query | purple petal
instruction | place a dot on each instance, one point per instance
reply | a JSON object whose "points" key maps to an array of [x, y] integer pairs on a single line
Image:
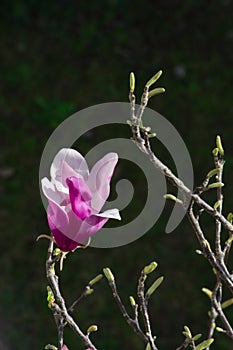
{"points": [[90, 226], [99, 180], [64, 226], [63, 242], [57, 215], [80, 197]]}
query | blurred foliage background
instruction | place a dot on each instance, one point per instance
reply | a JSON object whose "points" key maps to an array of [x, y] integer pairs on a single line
{"points": [[59, 57]]}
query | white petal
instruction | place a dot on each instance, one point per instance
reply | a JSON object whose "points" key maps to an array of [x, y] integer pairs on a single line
{"points": [[99, 180], [111, 214], [73, 158], [50, 191]]}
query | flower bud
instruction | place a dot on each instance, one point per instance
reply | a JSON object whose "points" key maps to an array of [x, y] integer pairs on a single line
{"points": [[50, 297], [213, 172], [132, 82], [227, 303], [156, 91], [230, 217], [216, 185], [132, 301], [217, 204], [95, 280], [215, 152], [154, 78], [187, 333], [52, 347], [221, 330], [148, 347], [204, 344], [108, 274], [89, 291], [150, 268], [207, 292], [219, 145], [92, 328], [154, 286]]}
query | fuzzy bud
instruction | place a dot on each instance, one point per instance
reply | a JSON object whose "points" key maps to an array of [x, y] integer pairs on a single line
{"points": [[150, 268], [108, 274]]}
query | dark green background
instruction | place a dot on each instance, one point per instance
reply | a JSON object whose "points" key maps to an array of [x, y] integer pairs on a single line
{"points": [[59, 57]]}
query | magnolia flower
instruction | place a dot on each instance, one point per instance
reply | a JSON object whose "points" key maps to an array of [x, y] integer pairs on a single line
{"points": [[64, 347], [76, 197]]}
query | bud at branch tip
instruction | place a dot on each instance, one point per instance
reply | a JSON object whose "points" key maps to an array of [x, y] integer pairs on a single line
{"points": [[219, 145], [154, 78], [150, 268], [108, 274], [132, 82]]}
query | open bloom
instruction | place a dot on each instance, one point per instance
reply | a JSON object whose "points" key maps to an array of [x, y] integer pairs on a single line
{"points": [[76, 197]]}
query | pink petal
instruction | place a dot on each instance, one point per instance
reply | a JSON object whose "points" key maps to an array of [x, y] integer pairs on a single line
{"points": [[57, 215], [59, 224], [99, 180], [64, 226], [63, 242], [80, 197], [90, 226], [64, 347], [51, 192], [68, 162]]}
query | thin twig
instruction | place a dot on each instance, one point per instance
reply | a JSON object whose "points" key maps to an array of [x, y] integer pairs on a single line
{"points": [[208, 253], [59, 308], [144, 310], [79, 299], [132, 322], [219, 164], [218, 307]]}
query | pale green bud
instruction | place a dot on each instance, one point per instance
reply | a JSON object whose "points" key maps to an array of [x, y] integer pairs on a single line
{"points": [[148, 347], [108, 274], [196, 337], [221, 330], [172, 197], [56, 252], [216, 185], [230, 217], [50, 297], [207, 292], [92, 328], [154, 78], [156, 91], [89, 291], [154, 286], [132, 82], [151, 135], [227, 303], [219, 145], [150, 268], [213, 172], [132, 301], [95, 280], [199, 252], [217, 204], [208, 245], [187, 332], [50, 347], [230, 239], [204, 344]]}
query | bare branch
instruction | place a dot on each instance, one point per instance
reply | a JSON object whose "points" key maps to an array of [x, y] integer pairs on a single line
{"points": [[59, 308]]}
